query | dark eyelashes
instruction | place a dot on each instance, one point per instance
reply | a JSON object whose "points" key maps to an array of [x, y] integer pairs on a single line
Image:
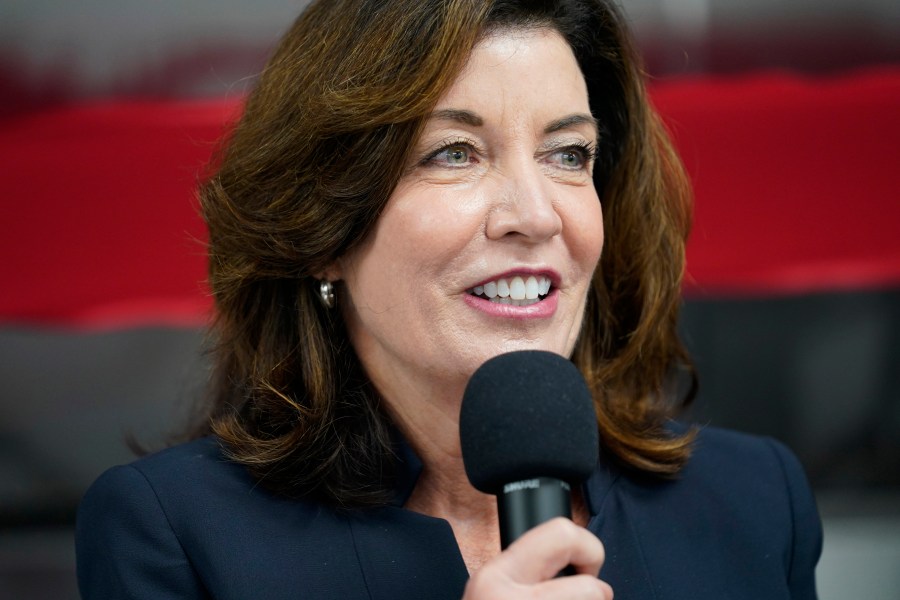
{"points": [[588, 151], [446, 144]]}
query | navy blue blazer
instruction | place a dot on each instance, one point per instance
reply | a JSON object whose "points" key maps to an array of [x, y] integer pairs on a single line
{"points": [[739, 522]]}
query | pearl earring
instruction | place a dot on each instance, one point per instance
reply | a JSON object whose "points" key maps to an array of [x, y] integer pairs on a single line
{"points": [[326, 293]]}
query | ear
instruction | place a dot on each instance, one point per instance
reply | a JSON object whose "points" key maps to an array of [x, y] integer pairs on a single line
{"points": [[332, 272]]}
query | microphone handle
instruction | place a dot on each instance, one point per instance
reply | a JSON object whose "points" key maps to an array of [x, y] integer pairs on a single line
{"points": [[525, 504]]}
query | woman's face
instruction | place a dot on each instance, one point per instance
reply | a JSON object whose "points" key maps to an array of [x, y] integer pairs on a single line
{"points": [[489, 241]]}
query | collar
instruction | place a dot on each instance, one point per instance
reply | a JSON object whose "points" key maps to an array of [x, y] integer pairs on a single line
{"points": [[409, 466]]}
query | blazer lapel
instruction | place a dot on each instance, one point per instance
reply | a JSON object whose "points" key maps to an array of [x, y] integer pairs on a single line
{"points": [[625, 568], [403, 554]]}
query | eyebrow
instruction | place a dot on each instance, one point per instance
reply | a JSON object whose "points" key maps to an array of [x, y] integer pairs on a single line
{"points": [[467, 117], [571, 121]]}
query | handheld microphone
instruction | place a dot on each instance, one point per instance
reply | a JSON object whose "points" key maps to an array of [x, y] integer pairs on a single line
{"points": [[528, 432]]}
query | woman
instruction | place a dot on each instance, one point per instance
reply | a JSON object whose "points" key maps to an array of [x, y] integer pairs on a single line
{"points": [[415, 187]]}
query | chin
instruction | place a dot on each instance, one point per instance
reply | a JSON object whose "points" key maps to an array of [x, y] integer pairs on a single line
{"points": [[564, 349]]}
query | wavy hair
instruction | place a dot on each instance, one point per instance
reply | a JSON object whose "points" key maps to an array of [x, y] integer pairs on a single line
{"points": [[300, 180]]}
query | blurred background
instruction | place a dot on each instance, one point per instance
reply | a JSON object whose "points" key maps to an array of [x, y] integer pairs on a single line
{"points": [[788, 119]]}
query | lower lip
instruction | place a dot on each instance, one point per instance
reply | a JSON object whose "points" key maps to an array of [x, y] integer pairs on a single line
{"points": [[539, 310]]}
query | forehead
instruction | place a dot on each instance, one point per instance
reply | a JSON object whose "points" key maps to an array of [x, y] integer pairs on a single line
{"points": [[520, 64]]}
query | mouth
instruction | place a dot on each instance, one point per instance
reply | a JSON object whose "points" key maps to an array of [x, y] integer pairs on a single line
{"points": [[515, 291]]}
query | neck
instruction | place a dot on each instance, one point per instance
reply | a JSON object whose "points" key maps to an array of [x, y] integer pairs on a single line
{"points": [[445, 492], [431, 427], [443, 489]]}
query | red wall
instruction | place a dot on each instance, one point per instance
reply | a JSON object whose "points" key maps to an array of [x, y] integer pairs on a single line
{"points": [[796, 185]]}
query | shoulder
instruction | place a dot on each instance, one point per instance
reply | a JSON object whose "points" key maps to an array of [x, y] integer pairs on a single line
{"points": [[187, 519], [143, 480], [768, 477], [740, 515], [765, 480], [193, 487], [203, 455], [750, 474], [733, 471], [737, 457], [192, 468], [121, 515], [177, 479]]}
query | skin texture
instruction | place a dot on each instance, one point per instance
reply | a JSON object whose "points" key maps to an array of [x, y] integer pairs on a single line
{"points": [[448, 226], [500, 183]]}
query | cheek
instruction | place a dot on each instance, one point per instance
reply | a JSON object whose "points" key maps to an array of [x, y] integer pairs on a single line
{"points": [[414, 243], [428, 231], [586, 233]]}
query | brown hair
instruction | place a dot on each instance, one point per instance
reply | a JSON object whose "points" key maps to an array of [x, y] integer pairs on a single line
{"points": [[303, 178]]}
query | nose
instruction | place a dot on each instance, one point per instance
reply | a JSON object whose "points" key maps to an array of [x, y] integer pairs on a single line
{"points": [[525, 205]]}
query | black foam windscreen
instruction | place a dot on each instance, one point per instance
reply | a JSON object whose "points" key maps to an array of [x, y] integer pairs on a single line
{"points": [[527, 414]]}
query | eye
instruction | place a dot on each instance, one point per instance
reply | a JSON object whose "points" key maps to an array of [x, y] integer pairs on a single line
{"points": [[573, 157], [454, 154]]}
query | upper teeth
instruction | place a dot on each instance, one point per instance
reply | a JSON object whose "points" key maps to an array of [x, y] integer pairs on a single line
{"points": [[516, 288]]}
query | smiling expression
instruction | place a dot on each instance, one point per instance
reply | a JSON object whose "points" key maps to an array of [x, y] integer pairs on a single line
{"points": [[489, 242]]}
